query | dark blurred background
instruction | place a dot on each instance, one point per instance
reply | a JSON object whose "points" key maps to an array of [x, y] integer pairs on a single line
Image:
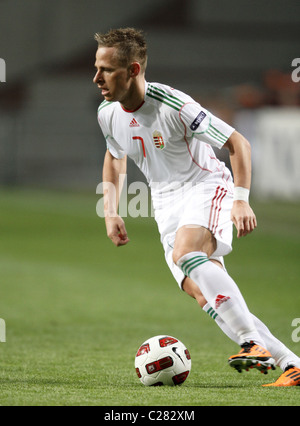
{"points": [[234, 57]]}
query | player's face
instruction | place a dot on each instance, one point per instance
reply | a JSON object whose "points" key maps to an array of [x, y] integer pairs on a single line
{"points": [[110, 77]]}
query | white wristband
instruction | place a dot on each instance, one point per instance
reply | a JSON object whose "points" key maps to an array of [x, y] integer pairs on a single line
{"points": [[241, 194]]}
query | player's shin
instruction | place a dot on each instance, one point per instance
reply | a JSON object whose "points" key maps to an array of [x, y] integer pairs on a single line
{"points": [[218, 320], [222, 294]]}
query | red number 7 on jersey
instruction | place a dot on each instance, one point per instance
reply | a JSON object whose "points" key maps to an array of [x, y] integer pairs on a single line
{"points": [[143, 144]]}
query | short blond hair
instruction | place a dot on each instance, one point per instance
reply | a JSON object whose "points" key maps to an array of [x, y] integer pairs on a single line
{"points": [[130, 43]]}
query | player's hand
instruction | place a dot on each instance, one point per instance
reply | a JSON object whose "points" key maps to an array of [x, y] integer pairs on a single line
{"points": [[243, 217], [116, 230]]}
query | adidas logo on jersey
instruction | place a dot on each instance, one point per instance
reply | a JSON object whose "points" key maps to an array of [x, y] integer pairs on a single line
{"points": [[134, 123], [221, 299]]}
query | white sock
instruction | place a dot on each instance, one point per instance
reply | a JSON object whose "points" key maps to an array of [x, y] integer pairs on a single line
{"points": [[282, 355], [222, 294]]}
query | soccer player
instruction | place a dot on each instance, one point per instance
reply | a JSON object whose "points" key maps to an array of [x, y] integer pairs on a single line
{"points": [[170, 138]]}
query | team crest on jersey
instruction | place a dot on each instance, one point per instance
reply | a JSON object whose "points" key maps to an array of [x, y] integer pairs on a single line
{"points": [[158, 140]]}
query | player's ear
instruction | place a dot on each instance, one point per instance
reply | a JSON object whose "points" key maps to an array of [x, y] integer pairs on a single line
{"points": [[134, 69]]}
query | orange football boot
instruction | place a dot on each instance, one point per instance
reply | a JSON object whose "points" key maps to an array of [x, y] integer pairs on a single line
{"points": [[291, 377], [252, 356]]}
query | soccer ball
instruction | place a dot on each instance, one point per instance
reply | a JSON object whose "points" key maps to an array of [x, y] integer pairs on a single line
{"points": [[162, 360]]}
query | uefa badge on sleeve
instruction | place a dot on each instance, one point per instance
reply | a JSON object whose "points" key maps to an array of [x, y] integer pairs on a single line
{"points": [[158, 140]]}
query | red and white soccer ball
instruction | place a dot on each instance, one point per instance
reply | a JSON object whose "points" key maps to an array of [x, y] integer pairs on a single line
{"points": [[163, 360]]}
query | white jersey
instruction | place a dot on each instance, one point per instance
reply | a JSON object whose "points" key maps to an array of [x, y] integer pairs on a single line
{"points": [[170, 138]]}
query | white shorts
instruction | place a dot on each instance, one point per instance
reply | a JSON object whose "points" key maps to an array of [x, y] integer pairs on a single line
{"points": [[206, 204]]}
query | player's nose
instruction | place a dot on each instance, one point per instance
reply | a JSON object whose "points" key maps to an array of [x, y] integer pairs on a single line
{"points": [[98, 77]]}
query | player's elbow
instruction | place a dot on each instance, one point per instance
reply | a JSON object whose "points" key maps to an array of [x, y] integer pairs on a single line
{"points": [[236, 142]]}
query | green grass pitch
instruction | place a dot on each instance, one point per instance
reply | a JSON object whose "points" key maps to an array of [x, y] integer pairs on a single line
{"points": [[77, 308]]}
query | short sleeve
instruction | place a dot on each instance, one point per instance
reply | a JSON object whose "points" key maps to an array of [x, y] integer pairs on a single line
{"points": [[204, 126], [111, 144], [114, 148]]}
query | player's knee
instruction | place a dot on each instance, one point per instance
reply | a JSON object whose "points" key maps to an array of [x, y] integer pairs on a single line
{"points": [[193, 239], [178, 253]]}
